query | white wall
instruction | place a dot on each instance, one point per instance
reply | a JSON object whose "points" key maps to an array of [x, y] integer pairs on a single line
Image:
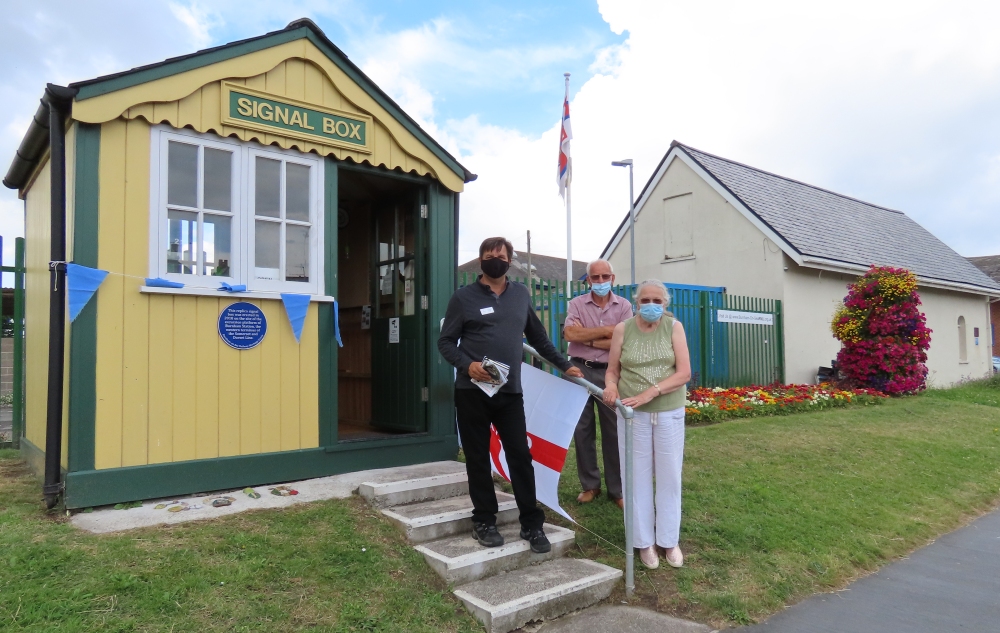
{"points": [[811, 296], [727, 249], [942, 309]]}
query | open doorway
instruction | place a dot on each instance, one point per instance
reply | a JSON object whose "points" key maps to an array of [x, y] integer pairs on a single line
{"points": [[381, 279]]}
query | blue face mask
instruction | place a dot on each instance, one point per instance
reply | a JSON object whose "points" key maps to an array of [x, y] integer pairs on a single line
{"points": [[601, 289], [650, 312]]}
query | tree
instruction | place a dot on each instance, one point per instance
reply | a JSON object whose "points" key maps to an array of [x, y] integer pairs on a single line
{"points": [[884, 335]]}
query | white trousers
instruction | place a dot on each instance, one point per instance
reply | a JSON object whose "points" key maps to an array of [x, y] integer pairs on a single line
{"points": [[657, 450]]}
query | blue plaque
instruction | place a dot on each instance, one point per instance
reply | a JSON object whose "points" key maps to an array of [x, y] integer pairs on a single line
{"points": [[242, 325]]}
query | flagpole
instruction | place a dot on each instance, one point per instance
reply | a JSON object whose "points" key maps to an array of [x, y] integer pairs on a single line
{"points": [[569, 217]]}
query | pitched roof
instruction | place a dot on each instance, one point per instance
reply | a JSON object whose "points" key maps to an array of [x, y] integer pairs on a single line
{"points": [[302, 28], [816, 223], [989, 265], [545, 267]]}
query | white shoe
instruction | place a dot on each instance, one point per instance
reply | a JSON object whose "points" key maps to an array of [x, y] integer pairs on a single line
{"points": [[674, 556], [649, 558]]}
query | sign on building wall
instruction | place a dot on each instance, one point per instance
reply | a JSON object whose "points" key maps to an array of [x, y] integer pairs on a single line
{"points": [[753, 318], [256, 110], [242, 325]]}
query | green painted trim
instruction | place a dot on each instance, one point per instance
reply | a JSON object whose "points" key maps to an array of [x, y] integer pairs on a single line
{"points": [[441, 283], [118, 485], [328, 351], [99, 87], [83, 331], [166, 69]]}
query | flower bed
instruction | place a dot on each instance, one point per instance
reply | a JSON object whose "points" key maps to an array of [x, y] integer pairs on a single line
{"points": [[714, 404]]}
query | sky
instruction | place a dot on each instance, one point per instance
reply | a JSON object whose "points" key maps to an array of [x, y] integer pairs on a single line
{"points": [[895, 103]]}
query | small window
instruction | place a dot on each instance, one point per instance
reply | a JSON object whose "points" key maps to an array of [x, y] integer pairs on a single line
{"points": [[226, 211], [963, 350]]}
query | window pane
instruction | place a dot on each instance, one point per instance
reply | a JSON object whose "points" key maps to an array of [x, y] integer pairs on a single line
{"points": [[267, 254], [296, 252], [296, 192], [182, 251], [218, 179], [182, 174], [217, 244], [267, 187]]}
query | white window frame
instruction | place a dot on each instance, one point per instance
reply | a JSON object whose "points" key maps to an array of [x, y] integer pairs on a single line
{"points": [[242, 214], [285, 157]]}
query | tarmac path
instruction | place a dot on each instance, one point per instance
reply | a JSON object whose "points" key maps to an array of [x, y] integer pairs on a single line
{"points": [[951, 585]]}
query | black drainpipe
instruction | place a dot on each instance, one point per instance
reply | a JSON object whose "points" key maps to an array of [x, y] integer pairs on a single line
{"points": [[57, 99]]}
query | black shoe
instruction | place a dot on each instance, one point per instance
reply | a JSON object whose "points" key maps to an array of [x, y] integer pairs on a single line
{"points": [[487, 535], [539, 543]]}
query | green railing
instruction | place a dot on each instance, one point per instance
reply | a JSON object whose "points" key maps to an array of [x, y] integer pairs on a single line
{"points": [[727, 349], [17, 332]]}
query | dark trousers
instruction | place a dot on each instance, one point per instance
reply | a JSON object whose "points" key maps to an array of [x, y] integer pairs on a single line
{"points": [[505, 411], [585, 438]]}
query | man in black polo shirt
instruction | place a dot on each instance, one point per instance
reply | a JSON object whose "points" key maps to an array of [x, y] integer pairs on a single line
{"points": [[491, 317]]}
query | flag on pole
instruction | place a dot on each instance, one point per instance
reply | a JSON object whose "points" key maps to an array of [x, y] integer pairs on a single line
{"points": [[552, 407], [565, 136]]}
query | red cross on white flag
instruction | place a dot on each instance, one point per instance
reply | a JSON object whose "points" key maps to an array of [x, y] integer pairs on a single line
{"points": [[552, 407]]}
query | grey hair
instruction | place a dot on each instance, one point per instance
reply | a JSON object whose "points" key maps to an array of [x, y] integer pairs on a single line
{"points": [[653, 283], [600, 261]]}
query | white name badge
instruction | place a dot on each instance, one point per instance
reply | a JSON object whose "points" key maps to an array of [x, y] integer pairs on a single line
{"points": [[486, 310]]}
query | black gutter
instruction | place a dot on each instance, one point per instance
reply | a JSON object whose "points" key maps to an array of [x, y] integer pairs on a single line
{"points": [[56, 101], [33, 146]]}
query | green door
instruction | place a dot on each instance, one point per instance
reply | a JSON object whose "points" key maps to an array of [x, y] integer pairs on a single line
{"points": [[398, 324]]}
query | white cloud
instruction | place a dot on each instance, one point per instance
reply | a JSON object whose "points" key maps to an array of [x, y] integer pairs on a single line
{"points": [[890, 102], [198, 20]]}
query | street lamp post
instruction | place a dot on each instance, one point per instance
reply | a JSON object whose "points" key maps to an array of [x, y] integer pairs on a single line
{"points": [[631, 209], [629, 431]]}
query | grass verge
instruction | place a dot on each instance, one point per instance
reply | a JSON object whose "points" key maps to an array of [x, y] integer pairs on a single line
{"points": [[325, 566], [778, 508]]}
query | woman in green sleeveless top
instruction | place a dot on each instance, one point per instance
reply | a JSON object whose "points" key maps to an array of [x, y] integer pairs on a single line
{"points": [[649, 366]]}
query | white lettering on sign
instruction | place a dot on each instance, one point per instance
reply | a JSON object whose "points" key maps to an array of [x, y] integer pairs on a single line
{"points": [[753, 318], [394, 330]]}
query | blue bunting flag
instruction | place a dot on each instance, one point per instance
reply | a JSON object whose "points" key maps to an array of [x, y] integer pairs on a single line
{"points": [[296, 307], [81, 284]]}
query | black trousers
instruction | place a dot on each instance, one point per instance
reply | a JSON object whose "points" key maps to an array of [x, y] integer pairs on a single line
{"points": [[505, 411]]}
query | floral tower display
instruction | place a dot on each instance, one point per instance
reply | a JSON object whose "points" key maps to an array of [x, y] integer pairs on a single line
{"points": [[883, 333]]}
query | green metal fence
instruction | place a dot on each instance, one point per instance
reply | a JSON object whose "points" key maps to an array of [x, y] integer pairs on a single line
{"points": [[13, 326], [734, 341]]}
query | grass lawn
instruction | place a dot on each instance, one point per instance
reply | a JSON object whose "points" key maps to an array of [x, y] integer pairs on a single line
{"points": [[778, 508], [325, 566], [775, 508]]}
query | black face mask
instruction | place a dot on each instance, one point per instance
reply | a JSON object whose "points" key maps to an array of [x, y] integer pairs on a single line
{"points": [[494, 267]]}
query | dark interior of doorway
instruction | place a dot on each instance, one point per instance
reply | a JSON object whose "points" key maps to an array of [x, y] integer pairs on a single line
{"points": [[365, 202]]}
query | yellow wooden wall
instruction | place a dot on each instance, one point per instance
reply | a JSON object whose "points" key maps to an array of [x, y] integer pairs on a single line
{"points": [[37, 250], [296, 69], [168, 388], [296, 79]]}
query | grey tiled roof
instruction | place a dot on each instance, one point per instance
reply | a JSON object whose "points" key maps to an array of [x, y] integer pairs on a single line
{"points": [[821, 223], [989, 265]]}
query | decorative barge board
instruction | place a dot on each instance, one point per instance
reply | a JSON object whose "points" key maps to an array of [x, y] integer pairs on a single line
{"points": [[274, 165]]}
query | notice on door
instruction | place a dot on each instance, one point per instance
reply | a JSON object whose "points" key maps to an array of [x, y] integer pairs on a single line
{"points": [[394, 330], [753, 318]]}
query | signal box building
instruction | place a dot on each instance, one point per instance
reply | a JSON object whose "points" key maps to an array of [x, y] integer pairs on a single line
{"points": [[272, 163]]}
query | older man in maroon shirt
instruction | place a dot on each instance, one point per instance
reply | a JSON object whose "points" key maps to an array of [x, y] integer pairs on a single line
{"points": [[590, 321]]}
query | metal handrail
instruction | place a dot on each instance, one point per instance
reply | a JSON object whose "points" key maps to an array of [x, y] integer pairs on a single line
{"points": [[627, 414]]}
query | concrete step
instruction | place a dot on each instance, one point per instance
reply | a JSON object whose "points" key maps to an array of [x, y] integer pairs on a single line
{"points": [[427, 488], [553, 588], [461, 559], [431, 520]]}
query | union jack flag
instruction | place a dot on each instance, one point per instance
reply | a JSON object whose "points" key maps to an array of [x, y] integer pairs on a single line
{"points": [[565, 136]]}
